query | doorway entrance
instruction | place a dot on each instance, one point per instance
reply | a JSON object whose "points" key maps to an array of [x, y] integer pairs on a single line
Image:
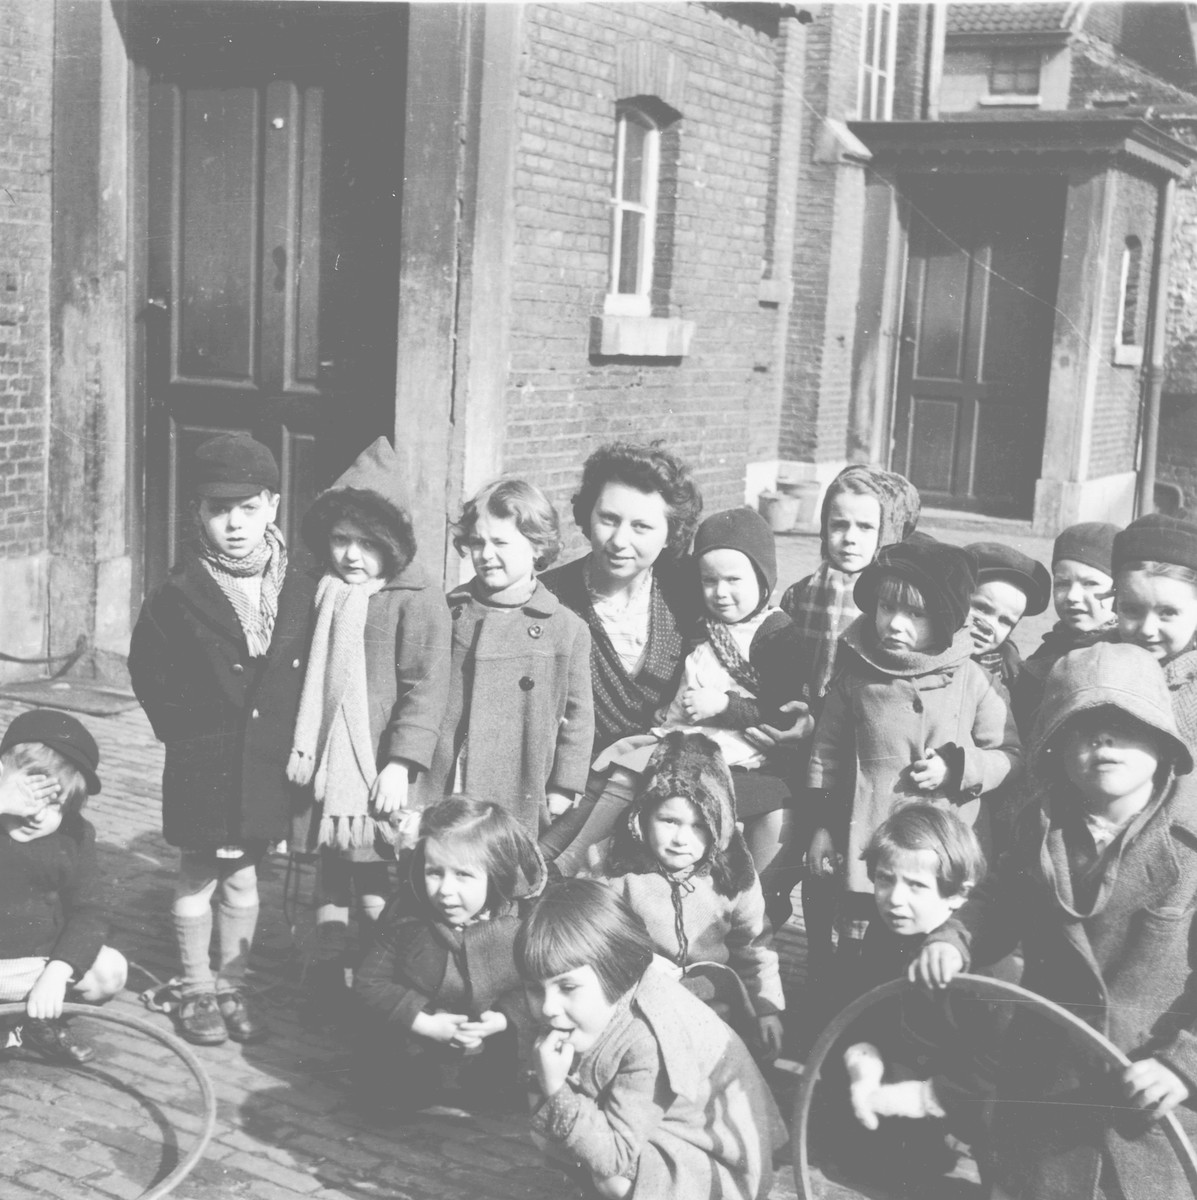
{"points": [[977, 325], [271, 169]]}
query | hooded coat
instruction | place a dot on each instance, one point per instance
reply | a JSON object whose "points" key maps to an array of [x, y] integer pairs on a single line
{"points": [[1108, 934], [670, 1098], [225, 718], [407, 632], [418, 964], [878, 720], [715, 913]]}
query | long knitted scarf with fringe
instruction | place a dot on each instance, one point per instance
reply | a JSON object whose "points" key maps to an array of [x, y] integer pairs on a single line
{"points": [[333, 749], [256, 606]]}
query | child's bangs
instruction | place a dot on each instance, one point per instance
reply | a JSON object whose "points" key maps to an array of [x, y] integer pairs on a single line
{"points": [[1161, 570], [900, 593]]}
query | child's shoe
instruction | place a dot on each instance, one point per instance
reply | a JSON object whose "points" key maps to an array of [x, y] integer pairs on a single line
{"points": [[240, 1020], [200, 1021], [53, 1040]]}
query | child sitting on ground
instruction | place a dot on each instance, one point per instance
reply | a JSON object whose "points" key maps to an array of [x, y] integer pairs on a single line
{"points": [[1155, 587], [1099, 890], [445, 1003], [52, 925], [1083, 593], [864, 510], [919, 1060], [738, 677], [519, 724], [644, 1087], [910, 715], [684, 870], [373, 697]]}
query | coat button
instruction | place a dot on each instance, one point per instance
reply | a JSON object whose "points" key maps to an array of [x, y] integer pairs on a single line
{"points": [[255, 714], [535, 631], [237, 668], [295, 664], [455, 611], [527, 683]]}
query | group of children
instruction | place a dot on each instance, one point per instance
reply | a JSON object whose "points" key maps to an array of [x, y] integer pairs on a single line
{"points": [[424, 746]]}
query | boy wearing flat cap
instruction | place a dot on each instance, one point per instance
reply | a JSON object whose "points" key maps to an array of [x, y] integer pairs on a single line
{"points": [[217, 661], [52, 925]]}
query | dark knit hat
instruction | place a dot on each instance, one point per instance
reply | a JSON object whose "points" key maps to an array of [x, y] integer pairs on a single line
{"points": [[946, 576], [997, 561], [1157, 538], [742, 529], [1091, 543], [60, 732], [234, 466]]}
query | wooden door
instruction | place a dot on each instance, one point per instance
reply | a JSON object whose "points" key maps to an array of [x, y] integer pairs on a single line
{"points": [[979, 312], [273, 173]]}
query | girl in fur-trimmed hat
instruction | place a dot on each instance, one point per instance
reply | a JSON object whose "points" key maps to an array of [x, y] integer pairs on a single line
{"points": [[684, 869], [375, 690]]}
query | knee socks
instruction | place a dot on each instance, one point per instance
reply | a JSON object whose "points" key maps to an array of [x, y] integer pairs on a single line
{"points": [[194, 935], [235, 924]]}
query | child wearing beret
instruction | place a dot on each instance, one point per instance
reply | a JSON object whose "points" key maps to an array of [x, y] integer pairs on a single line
{"points": [[1155, 586], [910, 716]]}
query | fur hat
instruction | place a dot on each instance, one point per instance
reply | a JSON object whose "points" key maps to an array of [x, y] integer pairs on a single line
{"points": [[1156, 538], [946, 576], [690, 765], [742, 529], [998, 561], [1091, 543]]}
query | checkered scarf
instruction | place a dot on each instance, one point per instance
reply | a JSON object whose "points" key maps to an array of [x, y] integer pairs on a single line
{"points": [[255, 614], [821, 607]]}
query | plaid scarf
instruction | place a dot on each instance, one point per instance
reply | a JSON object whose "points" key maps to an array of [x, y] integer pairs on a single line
{"points": [[730, 658], [821, 607], [255, 614]]}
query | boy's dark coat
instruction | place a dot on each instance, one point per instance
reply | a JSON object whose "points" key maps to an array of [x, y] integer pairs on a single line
{"points": [[227, 720]]}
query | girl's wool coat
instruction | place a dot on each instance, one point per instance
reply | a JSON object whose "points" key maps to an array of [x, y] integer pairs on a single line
{"points": [[519, 693], [226, 719], [877, 722], [670, 1098]]}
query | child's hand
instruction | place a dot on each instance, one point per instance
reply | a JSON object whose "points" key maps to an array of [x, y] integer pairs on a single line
{"points": [[389, 793], [770, 1029], [821, 859], [554, 1057], [23, 795], [701, 704], [1152, 1086], [488, 1024], [438, 1027], [937, 965], [930, 772], [559, 803], [766, 737], [44, 1002]]}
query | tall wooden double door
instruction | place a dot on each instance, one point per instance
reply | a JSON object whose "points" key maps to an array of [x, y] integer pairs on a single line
{"points": [[271, 164], [977, 328]]}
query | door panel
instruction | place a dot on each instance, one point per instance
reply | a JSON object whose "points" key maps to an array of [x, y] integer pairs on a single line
{"points": [[273, 194], [983, 261]]}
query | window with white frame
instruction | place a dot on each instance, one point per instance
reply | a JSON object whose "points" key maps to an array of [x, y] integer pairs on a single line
{"points": [[1128, 349], [878, 48], [1014, 72], [634, 211]]}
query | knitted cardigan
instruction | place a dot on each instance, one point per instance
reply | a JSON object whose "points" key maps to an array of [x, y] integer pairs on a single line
{"points": [[625, 705]]}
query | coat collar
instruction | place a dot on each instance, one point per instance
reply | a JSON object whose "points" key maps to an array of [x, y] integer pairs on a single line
{"points": [[542, 602], [202, 593], [859, 638], [413, 578]]}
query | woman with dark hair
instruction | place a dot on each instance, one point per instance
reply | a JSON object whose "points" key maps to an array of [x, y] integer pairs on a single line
{"points": [[639, 506]]}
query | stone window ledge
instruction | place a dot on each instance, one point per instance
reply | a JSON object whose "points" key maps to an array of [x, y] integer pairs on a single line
{"points": [[1128, 356], [644, 337]]}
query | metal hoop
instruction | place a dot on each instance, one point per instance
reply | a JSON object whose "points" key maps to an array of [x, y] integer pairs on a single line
{"points": [[181, 1050], [983, 988]]}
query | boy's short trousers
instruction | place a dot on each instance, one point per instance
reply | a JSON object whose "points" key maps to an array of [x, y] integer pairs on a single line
{"points": [[18, 975]]}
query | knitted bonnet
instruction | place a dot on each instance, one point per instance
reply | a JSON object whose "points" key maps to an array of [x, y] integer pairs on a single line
{"points": [[691, 765], [895, 494]]}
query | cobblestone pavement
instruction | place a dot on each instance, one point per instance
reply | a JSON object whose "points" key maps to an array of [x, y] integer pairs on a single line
{"points": [[287, 1125]]}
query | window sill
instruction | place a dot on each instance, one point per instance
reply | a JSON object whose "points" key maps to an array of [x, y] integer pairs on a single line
{"points": [[1011, 100], [644, 337], [774, 292], [1128, 356]]}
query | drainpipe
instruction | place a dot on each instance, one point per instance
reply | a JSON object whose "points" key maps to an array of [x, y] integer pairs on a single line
{"points": [[1154, 381], [936, 28]]}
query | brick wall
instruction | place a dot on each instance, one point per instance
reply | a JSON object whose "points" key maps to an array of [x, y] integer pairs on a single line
{"points": [[562, 400], [815, 415], [26, 48], [1116, 408]]}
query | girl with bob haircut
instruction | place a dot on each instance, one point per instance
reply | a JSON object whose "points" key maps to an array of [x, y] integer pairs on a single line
{"points": [[646, 1091], [915, 828], [443, 999], [520, 721]]}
